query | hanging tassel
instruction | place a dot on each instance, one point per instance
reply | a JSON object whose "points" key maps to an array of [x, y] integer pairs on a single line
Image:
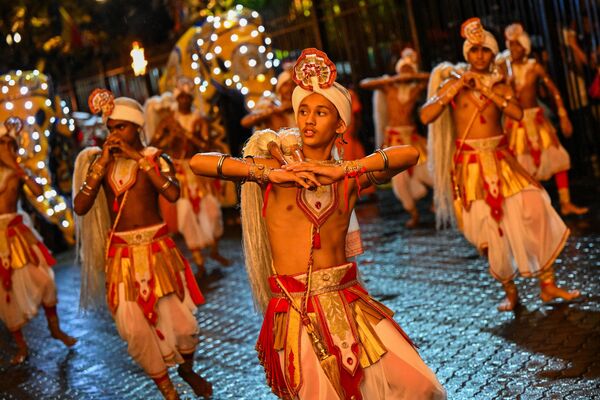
{"points": [[7, 298], [160, 334], [482, 119], [115, 205], [500, 232], [266, 199], [327, 360], [453, 104], [317, 239]]}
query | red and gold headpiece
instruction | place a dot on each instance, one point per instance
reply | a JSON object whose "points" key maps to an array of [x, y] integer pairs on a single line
{"points": [[312, 68], [101, 101], [314, 72], [121, 108], [474, 34]]}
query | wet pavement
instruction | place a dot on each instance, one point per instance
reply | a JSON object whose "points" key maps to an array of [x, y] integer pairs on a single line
{"points": [[434, 281]]}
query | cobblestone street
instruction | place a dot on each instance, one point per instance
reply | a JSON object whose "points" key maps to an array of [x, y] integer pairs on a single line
{"points": [[437, 284]]}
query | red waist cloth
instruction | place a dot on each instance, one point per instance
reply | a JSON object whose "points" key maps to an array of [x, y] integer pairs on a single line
{"points": [[286, 382], [161, 236]]}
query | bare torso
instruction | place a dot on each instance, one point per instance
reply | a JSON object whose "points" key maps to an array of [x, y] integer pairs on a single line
{"points": [[526, 79], [140, 208], [290, 232], [474, 116], [401, 100]]}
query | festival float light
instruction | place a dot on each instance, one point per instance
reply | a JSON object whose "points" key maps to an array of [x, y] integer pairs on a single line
{"points": [[25, 94]]}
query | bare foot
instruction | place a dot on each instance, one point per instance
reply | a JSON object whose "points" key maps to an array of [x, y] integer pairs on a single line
{"points": [[59, 334], [20, 356], [413, 222], [199, 385], [512, 297], [550, 292], [508, 304], [570, 208], [63, 337]]}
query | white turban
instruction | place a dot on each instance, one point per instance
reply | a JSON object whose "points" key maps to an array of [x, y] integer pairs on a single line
{"points": [[337, 94], [408, 57], [475, 35], [516, 32], [283, 77], [184, 86], [127, 109]]}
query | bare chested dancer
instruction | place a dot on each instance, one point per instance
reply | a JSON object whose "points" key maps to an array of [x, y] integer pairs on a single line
{"points": [[314, 304], [402, 92], [500, 208], [150, 289], [533, 139], [27, 281]]}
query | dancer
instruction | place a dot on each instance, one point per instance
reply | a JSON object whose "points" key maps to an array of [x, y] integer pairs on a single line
{"points": [[498, 206], [27, 279], [150, 289], [182, 133], [323, 336], [396, 112], [274, 111], [533, 140]]}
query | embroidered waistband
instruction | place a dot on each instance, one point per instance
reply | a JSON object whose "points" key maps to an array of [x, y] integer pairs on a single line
{"points": [[486, 144], [401, 129], [325, 280], [10, 219], [141, 235]]}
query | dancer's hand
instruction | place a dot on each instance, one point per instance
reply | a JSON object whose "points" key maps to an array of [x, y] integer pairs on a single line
{"points": [[283, 176], [118, 145], [331, 173]]}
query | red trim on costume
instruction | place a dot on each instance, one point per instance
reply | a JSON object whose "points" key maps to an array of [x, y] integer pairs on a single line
{"points": [[562, 180], [269, 357], [266, 199], [192, 285]]}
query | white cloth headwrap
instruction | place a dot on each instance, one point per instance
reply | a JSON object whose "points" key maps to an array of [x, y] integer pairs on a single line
{"points": [[489, 42], [283, 77], [337, 94], [127, 109], [408, 57], [516, 32]]}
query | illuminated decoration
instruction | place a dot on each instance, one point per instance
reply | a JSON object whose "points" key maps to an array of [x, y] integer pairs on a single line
{"points": [[139, 61], [229, 49], [26, 95]]}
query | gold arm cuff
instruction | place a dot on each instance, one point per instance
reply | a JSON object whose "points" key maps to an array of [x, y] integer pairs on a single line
{"points": [[220, 165], [165, 185]]}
